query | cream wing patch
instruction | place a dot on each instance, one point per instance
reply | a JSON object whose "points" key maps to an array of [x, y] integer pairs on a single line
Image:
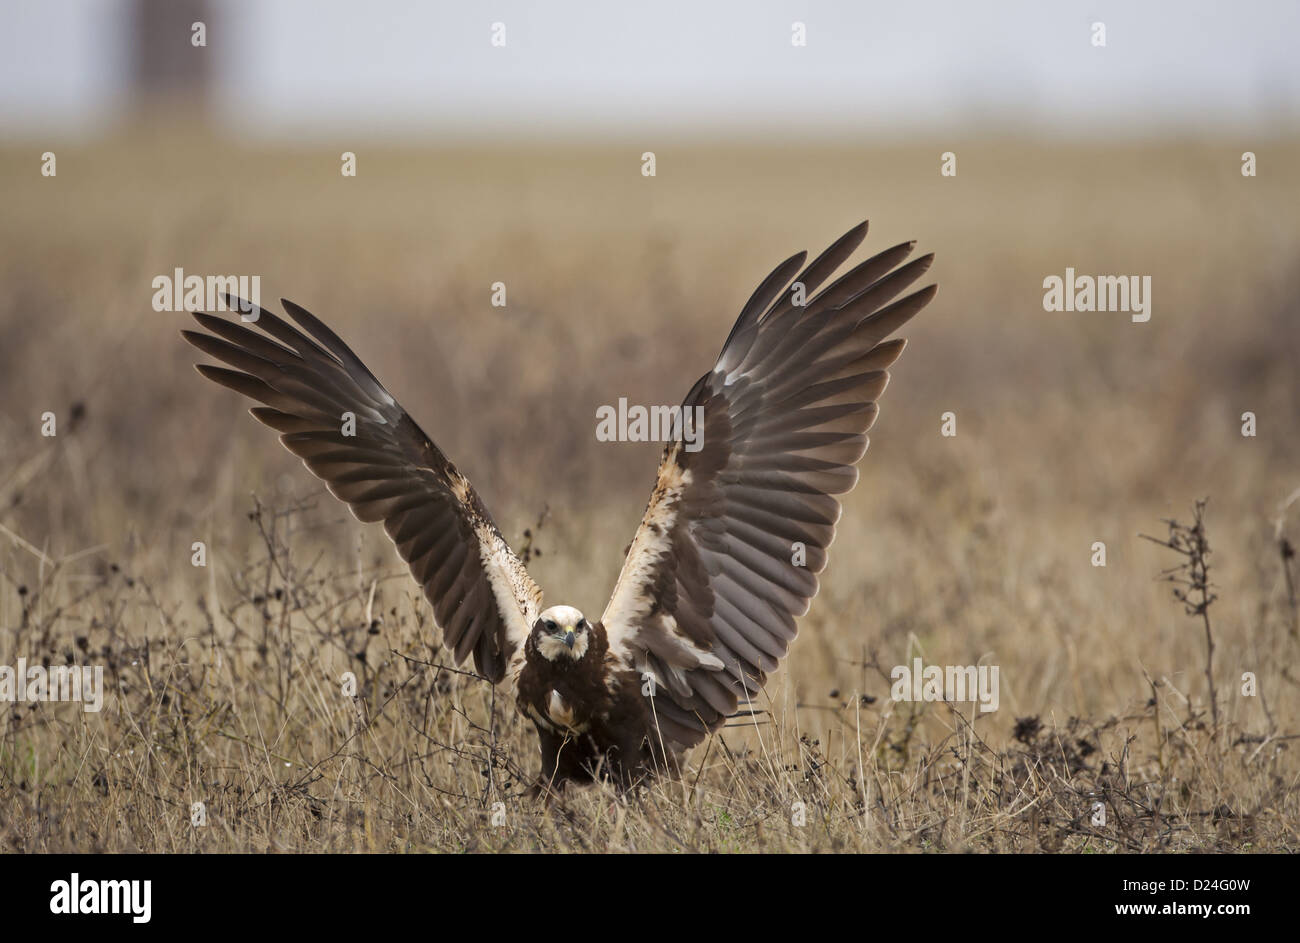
{"points": [[518, 598], [630, 606]]}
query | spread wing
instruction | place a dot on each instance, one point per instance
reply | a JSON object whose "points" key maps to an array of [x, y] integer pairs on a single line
{"points": [[728, 552], [386, 470]]}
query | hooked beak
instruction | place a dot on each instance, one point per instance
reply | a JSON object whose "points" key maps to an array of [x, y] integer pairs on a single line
{"points": [[566, 636]]}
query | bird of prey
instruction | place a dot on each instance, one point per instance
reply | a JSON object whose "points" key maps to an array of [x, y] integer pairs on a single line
{"points": [[728, 550]]}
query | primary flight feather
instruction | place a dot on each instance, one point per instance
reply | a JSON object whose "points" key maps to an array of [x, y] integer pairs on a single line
{"points": [[729, 548]]}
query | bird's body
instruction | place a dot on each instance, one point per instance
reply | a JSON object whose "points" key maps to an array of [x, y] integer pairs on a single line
{"points": [[729, 546], [591, 717]]}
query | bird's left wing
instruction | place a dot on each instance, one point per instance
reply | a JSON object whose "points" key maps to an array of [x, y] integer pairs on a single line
{"points": [[337, 417], [729, 548]]}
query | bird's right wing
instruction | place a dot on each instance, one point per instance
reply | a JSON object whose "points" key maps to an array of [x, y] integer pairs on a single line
{"points": [[386, 470]]}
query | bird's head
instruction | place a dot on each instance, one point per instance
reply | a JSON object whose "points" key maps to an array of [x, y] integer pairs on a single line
{"points": [[561, 632]]}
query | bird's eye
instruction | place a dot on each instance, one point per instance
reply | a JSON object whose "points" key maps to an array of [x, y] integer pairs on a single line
{"points": [[582, 623], [549, 625]]}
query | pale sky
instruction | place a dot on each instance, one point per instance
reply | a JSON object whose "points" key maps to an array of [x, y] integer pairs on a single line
{"points": [[429, 69]]}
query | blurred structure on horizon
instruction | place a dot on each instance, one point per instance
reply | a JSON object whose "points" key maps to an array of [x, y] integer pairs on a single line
{"points": [[165, 71]]}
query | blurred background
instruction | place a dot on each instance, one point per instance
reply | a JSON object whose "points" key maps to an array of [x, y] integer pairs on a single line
{"points": [[282, 68], [521, 163]]}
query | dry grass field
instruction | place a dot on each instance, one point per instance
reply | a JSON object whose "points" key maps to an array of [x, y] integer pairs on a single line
{"points": [[224, 680]]}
